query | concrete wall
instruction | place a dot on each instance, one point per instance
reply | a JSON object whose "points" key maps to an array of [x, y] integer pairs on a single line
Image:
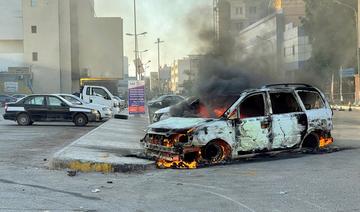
{"points": [[46, 42], [99, 42], [10, 20], [65, 47], [11, 34]]}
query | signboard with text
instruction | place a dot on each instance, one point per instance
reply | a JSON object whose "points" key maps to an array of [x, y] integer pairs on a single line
{"points": [[136, 97], [11, 87]]}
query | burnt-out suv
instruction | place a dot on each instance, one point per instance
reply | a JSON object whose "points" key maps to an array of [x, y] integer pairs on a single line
{"points": [[273, 118]]}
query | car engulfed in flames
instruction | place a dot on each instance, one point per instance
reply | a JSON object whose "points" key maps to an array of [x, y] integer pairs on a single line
{"points": [[258, 121]]}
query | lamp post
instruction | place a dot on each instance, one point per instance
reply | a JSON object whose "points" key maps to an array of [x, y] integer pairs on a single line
{"points": [[136, 51], [136, 41]]}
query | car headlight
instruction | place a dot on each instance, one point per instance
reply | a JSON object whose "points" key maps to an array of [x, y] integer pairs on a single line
{"points": [[94, 111]]}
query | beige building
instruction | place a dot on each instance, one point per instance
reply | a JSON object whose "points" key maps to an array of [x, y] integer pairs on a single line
{"points": [[11, 34], [61, 41], [182, 70]]}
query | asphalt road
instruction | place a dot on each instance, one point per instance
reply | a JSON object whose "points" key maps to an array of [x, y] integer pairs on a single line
{"points": [[287, 182]]}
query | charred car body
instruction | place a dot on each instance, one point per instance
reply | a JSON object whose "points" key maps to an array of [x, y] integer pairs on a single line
{"points": [[274, 118]]}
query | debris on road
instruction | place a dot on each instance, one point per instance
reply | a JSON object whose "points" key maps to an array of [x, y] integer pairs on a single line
{"points": [[109, 182], [71, 173], [96, 190]]}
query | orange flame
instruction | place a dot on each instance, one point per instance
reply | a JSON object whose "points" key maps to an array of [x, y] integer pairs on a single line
{"points": [[161, 163], [323, 142]]}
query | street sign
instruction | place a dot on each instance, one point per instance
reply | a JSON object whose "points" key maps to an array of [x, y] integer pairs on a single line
{"points": [[347, 72], [136, 96], [11, 87]]}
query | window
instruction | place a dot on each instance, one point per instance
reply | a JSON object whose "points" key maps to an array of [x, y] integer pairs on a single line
{"points": [[100, 92], [88, 91], [252, 10], [293, 50], [72, 100], [33, 3], [53, 101], [238, 11], [33, 29], [34, 56], [252, 106], [37, 100], [311, 100], [284, 103]]}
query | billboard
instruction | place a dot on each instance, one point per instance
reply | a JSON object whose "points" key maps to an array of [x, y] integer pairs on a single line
{"points": [[136, 96]]}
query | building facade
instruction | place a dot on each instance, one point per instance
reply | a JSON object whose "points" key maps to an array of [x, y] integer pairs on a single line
{"points": [[11, 35], [297, 50], [61, 41], [185, 69]]}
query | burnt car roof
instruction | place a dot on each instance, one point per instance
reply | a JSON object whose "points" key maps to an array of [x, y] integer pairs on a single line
{"points": [[283, 87]]}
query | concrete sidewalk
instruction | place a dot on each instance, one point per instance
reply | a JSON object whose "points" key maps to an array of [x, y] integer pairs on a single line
{"points": [[109, 148]]}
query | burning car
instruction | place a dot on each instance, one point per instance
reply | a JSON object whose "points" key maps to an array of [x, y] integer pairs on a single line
{"points": [[278, 117]]}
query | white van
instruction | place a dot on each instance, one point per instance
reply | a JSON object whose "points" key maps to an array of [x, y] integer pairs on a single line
{"points": [[101, 96]]}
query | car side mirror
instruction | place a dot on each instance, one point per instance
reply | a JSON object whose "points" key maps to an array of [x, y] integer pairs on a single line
{"points": [[62, 104]]}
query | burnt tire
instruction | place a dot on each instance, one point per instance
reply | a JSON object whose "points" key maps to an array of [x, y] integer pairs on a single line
{"points": [[23, 119], [216, 151], [80, 120], [311, 143]]}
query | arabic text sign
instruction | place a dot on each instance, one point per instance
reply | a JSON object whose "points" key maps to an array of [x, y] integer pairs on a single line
{"points": [[136, 97]]}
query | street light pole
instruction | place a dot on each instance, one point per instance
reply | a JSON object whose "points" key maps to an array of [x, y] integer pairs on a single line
{"points": [[136, 43]]}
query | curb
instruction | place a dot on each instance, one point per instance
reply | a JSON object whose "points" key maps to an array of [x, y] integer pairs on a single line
{"points": [[60, 162]]}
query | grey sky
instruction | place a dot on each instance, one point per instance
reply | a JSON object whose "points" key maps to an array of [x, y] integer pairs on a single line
{"points": [[165, 19]]}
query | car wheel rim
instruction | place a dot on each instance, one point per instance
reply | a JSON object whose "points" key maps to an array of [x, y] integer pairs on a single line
{"points": [[80, 120]]}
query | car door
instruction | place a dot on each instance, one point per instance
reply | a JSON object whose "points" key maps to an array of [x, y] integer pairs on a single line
{"points": [[289, 121], [318, 113], [101, 97], [253, 124], [36, 107], [57, 109]]}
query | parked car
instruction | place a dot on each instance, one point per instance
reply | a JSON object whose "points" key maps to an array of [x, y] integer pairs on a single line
{"points": [[105, 112], [48, 108], [162, 102], [274, 118], [99, 95], [19, 96], [5, 99]]}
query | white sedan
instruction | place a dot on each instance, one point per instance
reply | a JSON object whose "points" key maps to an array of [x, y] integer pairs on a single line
{"points": [[105, 112]]}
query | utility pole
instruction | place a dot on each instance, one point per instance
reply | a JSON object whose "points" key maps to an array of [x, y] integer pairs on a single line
{"points": [[158, 41]]}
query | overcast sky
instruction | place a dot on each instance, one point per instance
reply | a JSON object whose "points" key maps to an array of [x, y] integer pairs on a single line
{"points": [[165, 19]]}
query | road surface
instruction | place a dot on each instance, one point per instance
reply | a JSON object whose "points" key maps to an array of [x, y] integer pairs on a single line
{"points": [[288, 182]]}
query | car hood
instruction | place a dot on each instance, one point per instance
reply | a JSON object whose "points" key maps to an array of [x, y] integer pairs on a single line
{"points": [[163, 110], [179, 123]]}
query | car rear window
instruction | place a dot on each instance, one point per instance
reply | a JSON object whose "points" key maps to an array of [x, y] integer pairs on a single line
{"points": [[37, 100], [284, 103], [311, 100]]}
